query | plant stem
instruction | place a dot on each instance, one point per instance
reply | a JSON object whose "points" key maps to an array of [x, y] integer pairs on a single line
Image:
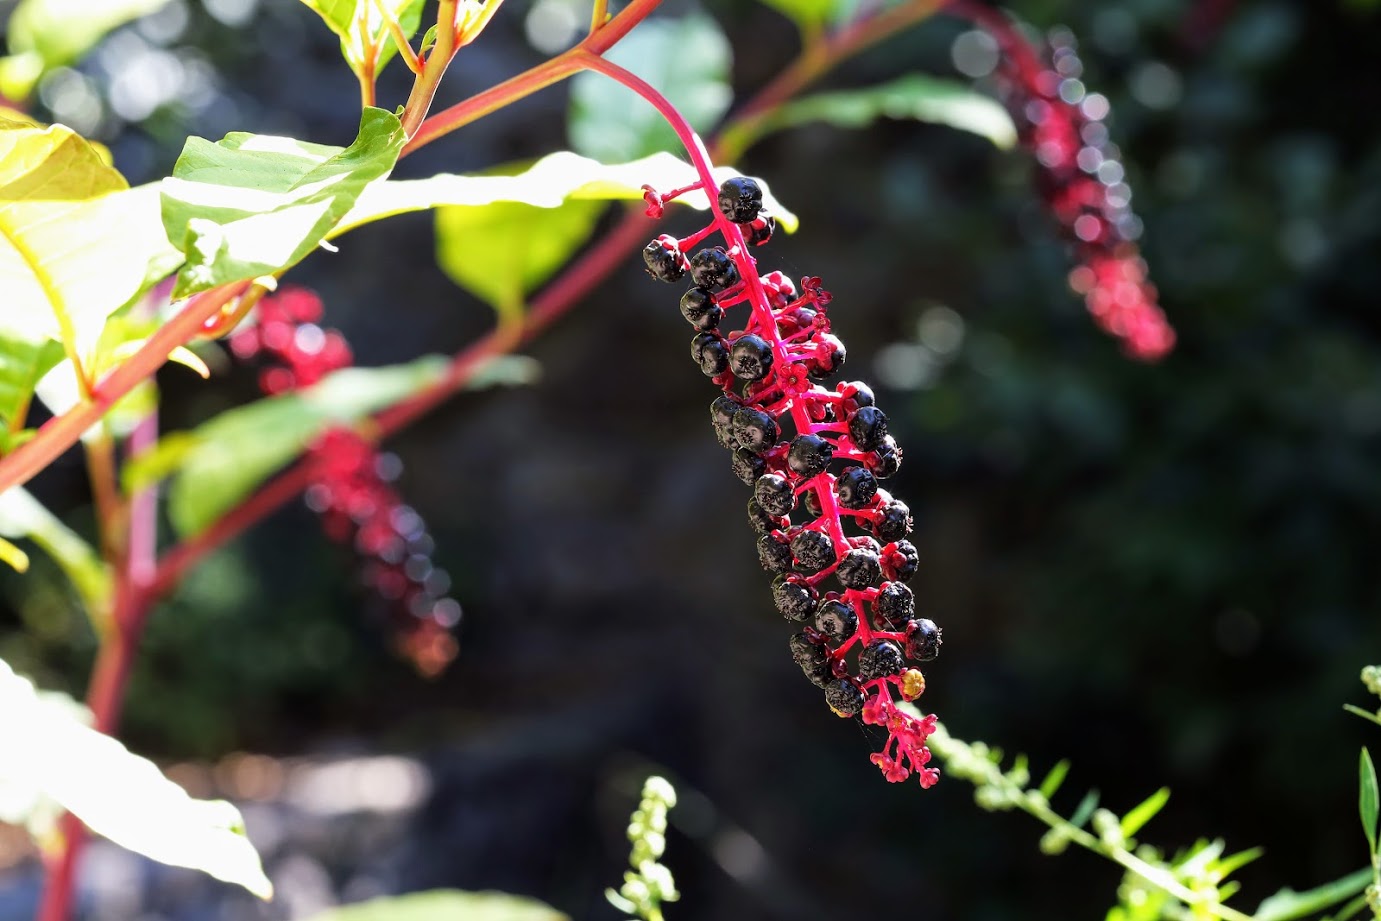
{"points": [[529, 81], [110, 675], [105, 494], [598, 15], [60, 433], [433, 68]]}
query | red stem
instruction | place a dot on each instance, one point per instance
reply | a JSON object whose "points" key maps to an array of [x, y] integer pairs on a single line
{"points": [[60, 433]]}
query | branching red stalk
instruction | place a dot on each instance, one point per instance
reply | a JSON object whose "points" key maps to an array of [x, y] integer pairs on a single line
{"points": [[60, 433]]}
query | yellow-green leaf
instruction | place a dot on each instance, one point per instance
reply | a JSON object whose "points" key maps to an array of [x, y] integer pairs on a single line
{"points": [[252, 205], [76, 243], [13, 557], [116, 793], [364, 36], [547, 183]]}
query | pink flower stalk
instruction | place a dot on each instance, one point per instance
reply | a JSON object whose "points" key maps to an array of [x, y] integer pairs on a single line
{"points": [[1081, 179], [858, 630], [350, 482]]}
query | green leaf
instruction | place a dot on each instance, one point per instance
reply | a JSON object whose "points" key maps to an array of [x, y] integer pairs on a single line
{"points": [[117, 794], [1054, 779], [547, 183], [76, 243], [232, 453], [687, 60], [915, 96], [22, 364], [44, 34], [23, 516], [1144, 812], [253, 205], [500, 252], [446, 905], [1234, 862], [1085, 811], [1367, 798], [1287, 904], [364, 38]]}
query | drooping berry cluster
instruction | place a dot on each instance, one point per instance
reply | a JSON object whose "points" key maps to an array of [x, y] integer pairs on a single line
{"points": [[350, 482], [1081, 179], [836, 540]]}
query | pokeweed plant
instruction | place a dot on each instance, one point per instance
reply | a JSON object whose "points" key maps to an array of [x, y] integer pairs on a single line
{"points": [[104, 283]]}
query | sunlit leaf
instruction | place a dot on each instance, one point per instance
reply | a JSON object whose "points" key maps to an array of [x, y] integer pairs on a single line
{"points": [[687, 60], [1144, 812], [76, 243], [23, 516], [232, 453], [22, 364], [252, 205], [118, 794], [915, 96], [446, 905], [500, 252], [44, 34], [1367, 798], [365, 41], [547, 183], [1287, 904]]}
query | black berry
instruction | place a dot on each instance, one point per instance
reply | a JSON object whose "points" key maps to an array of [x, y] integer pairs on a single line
{"points": [[747, 466], [794, 598], [700, 310], [859, 569], [868, 427], [712, 268], [809, 455], [880, 659], [922, 640], [774, 554], [844, 697], [886, 460], [894, 521], [900, 560], [761, 521], [893, 606], [855, 488], [755, 430], [774, 494], [760, 230], [708, 351], [812, 659], [740, 198], [813, 551], [828, 358], [836, 620], [663, 260], [751, 357], [857, 391]]}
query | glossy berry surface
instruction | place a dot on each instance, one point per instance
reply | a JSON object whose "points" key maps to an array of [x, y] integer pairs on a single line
{"points": [[859, 569], [855, 488], [812, 659], [900, 560], [774, 554], [774, 493], [809, 455], [813, 551], [836, 620], [844, 697], [795, 599], [663, 260], [922, 640], [867, 428], [879, 659], [713, 269], [740, 199], [750, 358], [893, 606], [700, 310]]}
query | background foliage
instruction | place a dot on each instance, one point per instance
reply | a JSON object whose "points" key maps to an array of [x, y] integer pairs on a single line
{"points": [[1164, 574]]}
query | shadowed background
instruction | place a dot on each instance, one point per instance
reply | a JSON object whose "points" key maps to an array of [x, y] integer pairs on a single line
{"points": [[1164, 573]]}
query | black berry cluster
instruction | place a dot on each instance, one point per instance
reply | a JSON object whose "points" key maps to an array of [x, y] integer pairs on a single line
{"points": [[815, 457], [350, 483]]}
